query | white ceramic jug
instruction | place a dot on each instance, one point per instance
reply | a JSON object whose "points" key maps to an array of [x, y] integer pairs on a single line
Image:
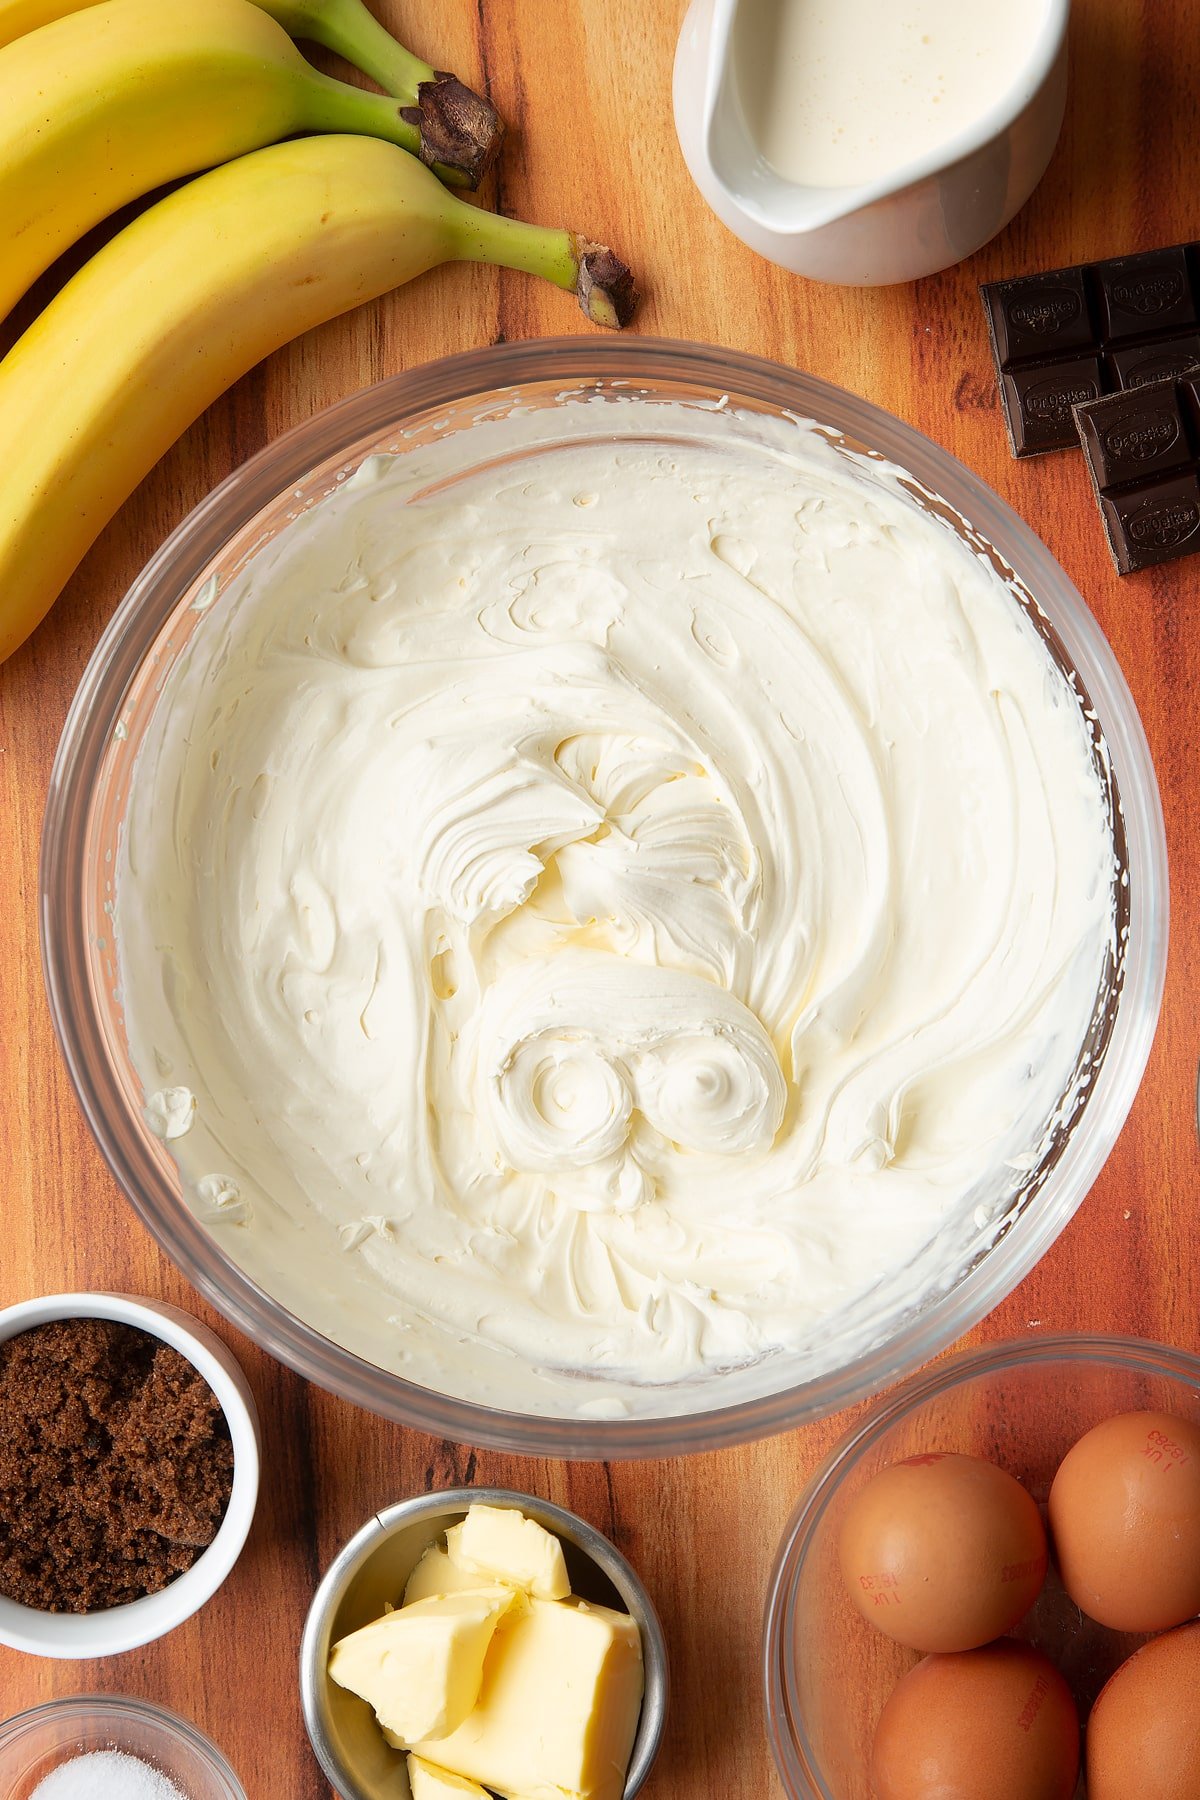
{"points": [[921, 217]]}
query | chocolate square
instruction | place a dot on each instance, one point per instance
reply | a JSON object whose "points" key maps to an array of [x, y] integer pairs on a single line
{"points": [[1153, 524], [1135, 436], [1144, 293], [1039, 402], [1133, 368], [1039, 315]]}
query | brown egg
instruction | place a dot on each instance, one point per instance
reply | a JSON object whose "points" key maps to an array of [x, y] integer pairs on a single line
{"points": [[1125, 1518], [1143, 1738], [943, 1552], [991, 1724]]}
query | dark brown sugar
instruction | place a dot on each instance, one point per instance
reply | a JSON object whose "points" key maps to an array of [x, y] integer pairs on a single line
{"points": [[115, 1465]]}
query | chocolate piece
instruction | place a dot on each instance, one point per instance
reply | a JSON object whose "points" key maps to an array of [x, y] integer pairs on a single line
{"points": [[1040, 400], [1039, 316], [1153, 524], [1135, 435], [1151, 292], [1116, 325], [1161, 362], [1143, 454]]}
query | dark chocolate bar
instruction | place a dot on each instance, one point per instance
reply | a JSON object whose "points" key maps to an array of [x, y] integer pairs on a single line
{"points": [[1143, 454], [1067, 337]]}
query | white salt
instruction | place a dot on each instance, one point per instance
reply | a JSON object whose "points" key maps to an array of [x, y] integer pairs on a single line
{"points": [[106, 1775]]}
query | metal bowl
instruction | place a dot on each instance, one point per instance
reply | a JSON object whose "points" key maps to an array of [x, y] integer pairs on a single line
{"points": [[371, 1572]]}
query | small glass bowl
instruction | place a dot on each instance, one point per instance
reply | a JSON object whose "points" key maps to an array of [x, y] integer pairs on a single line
{"points": [[1022, 1405], [37, 1742]]}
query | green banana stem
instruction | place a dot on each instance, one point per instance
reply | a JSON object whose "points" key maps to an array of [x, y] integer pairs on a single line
{"points": [[347, 27], [602, 281], [457, 133], [338, 106]]}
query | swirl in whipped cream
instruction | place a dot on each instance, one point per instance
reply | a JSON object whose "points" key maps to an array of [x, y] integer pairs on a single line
{"points": [[582, 1059], [613, 910]]}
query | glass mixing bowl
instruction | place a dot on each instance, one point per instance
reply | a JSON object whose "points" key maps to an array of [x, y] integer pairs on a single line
{"points": [[871, 1344], [1023, 1405]]}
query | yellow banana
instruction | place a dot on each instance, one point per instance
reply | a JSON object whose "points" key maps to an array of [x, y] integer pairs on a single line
{"points": [[108, 103], [455, 130], [17, 17], [193, 293]]}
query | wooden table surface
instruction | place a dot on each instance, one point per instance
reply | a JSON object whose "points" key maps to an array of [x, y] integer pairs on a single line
{"points": [[588, 91]]}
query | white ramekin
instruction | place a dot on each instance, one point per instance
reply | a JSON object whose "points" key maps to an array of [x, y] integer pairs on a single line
{"points": [[118, 1628]]}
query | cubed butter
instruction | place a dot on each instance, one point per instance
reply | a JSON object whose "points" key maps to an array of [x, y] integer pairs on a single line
{"points": [[422, 1668], [498, 1543], [558, 1707], [428, 1783], [436, 1574]]}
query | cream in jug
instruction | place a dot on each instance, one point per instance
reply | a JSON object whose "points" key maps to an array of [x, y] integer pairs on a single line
{"points": [[840, 92]]}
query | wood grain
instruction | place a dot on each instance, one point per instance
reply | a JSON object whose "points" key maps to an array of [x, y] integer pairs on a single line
{"points": [[588, 91]]}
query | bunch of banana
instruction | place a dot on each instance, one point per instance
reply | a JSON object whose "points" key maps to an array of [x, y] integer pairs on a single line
{"points": [[104, 103], [195, 292], [452, 128]]}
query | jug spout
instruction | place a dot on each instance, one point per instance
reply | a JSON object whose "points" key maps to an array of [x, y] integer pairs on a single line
{"points": [[730, 147]]}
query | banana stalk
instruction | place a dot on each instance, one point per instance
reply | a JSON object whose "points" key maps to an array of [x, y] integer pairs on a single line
{"points": [[197, 290], [458, 128], [456, 131]]}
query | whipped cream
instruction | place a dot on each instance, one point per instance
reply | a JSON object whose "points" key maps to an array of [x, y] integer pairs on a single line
{"points": [[613, 910]]}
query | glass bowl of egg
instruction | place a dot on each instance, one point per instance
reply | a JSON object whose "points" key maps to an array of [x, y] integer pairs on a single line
{"points": [[604, 898], [1004, 1552]]}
